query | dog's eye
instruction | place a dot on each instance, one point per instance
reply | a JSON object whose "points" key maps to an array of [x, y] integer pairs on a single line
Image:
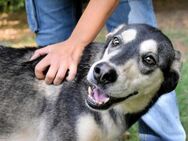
{"points": [[115, 41], [149, 60]]}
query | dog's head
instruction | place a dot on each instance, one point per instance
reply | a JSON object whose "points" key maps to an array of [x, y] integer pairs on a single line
{"points": [[139, 63]]}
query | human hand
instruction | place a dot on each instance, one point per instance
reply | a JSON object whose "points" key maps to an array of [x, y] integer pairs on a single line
{"points": [[60, 58]]}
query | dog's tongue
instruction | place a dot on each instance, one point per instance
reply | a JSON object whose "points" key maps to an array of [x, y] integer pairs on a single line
{"points": [[100, 96]]}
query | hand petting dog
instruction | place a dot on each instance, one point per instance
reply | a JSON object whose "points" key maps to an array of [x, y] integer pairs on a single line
{"points": [[60, 58]]}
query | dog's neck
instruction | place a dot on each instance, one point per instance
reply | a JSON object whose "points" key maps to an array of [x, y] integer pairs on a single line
{"points": [[113, 124]]}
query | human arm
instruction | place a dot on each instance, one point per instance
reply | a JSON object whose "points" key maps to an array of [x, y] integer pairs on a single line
{"points": [[66, 55]]}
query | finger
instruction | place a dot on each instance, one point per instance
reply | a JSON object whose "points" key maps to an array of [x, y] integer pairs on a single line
{"points": [[51, 74], [60, 75], [39, 52], [41, 67], [72, 72]]}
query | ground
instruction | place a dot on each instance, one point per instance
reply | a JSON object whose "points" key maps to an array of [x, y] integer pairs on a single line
{"points": [[172, 20]]}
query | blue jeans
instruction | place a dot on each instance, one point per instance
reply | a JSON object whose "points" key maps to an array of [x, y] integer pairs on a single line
{"points": [[51, 20], [54, 20]]}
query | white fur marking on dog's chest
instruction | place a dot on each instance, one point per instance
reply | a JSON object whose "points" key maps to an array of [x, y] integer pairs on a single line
{"points": [[114, 129], [87, 129]]}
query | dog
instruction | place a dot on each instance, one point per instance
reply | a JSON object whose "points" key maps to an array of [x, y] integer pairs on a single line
{"points": [[117, 82]]}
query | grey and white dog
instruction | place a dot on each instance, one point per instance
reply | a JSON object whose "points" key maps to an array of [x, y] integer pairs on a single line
{"points": [[129, 73]]}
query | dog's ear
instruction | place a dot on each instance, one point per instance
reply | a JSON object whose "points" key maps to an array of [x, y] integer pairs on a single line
{"points": [[172, 77], [114, 31], [177, 63], [109, 37]]}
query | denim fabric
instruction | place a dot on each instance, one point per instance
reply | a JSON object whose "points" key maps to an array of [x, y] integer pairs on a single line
{"points": [[132, 11], [164, 121], [54, 20], [51, 20]]}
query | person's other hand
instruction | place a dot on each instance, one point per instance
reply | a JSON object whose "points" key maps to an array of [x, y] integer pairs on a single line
{"points": [[60, 58]]}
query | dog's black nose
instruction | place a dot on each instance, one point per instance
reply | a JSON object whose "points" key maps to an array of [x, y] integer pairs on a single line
{"points": [[104, 73]]}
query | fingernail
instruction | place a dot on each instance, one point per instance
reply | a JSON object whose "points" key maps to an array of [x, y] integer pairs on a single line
{"points": [[57, 83], [69, 79], [47, 82], [32, 58]]}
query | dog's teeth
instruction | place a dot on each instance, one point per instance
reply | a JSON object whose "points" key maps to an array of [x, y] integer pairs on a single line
{"points": [[106, 100], [90, 96], [99, 102], [89, 90]]}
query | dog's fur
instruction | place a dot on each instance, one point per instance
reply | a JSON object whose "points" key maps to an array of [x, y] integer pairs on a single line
{"points": [[143, 66]]}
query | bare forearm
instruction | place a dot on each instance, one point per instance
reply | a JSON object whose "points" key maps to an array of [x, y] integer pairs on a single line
{"points": [[92, 20]]}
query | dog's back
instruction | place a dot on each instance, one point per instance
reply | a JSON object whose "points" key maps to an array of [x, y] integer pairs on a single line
{"points": [[30, 109]]}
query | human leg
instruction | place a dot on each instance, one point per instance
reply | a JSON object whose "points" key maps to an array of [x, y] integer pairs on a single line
{"points": [[51, 20], [162, 122], [163, 119], [132, 11]]}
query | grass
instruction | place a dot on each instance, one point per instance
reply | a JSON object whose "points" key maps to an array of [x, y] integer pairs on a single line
{"points": [[182, 91], [182, 88]]}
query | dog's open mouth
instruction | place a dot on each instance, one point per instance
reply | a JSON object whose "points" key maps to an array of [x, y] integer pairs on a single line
{"points": [[99, 100]]}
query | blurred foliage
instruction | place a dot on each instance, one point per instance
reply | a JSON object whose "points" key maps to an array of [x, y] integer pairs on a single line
{"points": [[11, 5], [15, 5]]}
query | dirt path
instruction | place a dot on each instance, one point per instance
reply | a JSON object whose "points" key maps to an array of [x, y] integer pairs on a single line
{"points": [[14, 30]]}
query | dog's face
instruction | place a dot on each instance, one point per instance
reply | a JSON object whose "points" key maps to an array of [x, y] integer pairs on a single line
{"points": [[139, 62]]}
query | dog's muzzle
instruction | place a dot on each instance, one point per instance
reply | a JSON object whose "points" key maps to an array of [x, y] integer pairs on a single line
{"points": [[97, 98], [102, 75]]}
